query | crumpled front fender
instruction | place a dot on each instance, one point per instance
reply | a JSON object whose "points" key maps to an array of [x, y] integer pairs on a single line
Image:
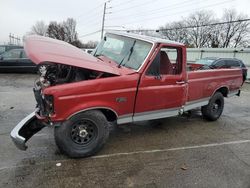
{"points": [[25, 129]]}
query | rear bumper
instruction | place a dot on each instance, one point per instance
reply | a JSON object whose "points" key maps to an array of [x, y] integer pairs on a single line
{"points": [[25, 129]]}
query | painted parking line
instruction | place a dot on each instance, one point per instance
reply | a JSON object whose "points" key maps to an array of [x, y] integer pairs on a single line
{"points": [[140, 152], [40, 134], [174, 149]]}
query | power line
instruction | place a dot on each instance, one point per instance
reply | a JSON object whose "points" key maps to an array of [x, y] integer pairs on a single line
{"points": [[159, 10], [88, 34], [90, 11], [90, 20], [91, 24], [157, 17], [103, 17], [105, 8], [218, 23], [138, 5], [124, 2], [187, 27], [168, 7]]}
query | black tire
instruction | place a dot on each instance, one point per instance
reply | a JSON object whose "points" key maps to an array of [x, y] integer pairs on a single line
{"points": [[82, 135], [244, 79], [215, 107]]}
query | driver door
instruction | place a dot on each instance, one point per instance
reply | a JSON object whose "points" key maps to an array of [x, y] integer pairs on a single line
{"points": [[162, 89]]}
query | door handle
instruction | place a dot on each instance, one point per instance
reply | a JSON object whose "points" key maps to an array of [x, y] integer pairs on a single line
{"points": [[158, 77], [180, 82]]}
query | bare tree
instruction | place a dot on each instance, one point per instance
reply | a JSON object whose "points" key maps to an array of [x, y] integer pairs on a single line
{"points": [[189, 30], [40, 28], [242, 37], [69, 27], [215, 41], [175, 31], [233, 33], [200, 36], [56, 31], [90, 44], [65, 31], [197, 31]]}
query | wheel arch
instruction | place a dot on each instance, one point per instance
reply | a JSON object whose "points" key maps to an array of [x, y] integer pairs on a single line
{"points": [[223, 90], [109, 113]]}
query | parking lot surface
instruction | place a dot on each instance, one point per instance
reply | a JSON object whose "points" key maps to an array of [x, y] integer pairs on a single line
{"points": [[184, 151]]}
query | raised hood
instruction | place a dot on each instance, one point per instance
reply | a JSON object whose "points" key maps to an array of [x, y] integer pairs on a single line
{"points": [[43, 49]]}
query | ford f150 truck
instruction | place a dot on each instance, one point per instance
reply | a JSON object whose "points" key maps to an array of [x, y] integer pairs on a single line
{"points": [[127, 78]]}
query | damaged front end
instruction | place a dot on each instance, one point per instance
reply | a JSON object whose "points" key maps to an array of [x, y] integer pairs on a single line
{"points": [[25, 129], [58, 63], [50, 74]]}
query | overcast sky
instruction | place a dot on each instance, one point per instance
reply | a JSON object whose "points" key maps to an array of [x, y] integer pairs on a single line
{"points": [[18, 16]]}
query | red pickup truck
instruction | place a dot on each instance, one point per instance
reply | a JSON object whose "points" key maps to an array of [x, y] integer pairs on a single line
{"points": [[128, 78]]}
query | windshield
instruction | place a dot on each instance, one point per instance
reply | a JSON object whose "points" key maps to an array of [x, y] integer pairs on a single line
{"points": [[124, 51], [207, 62]]}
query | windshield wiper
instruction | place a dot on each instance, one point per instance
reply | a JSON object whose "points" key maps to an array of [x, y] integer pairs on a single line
{"points": [[129, 55], [98, 56]]}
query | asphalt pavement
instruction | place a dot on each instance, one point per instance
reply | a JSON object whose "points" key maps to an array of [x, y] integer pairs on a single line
{"points": [[185, 151]]}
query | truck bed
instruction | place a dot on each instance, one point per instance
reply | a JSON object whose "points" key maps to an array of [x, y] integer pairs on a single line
{"points": [[203, 83]]}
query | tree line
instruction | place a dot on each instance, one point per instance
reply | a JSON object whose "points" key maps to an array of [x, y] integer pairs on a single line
{"points": [[228, 35], [65, 31], [197, 30]]}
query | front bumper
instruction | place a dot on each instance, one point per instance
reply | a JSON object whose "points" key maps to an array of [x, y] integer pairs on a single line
{"points": [[25, 129]]}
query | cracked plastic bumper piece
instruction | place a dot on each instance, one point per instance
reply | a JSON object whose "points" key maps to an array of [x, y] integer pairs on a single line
{"points": [[25, 129]]}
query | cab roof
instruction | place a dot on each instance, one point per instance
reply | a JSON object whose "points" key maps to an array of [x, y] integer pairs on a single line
{"points": [[146, 38]]}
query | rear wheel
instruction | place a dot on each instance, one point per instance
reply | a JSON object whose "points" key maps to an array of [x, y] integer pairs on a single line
{"points": [[215, 107], [82, 135], [244, 79]]}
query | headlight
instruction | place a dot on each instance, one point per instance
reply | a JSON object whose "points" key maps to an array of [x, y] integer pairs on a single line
{"points": [[49, 104]]}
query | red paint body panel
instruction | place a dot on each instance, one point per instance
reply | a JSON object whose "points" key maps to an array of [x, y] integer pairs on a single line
{"points": [[142, 93], [43, 49], [156, 94], [102, 93], [203, 83]]}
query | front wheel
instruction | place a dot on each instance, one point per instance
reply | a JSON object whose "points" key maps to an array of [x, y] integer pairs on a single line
{"points": [[215, 107], [82, 135]]}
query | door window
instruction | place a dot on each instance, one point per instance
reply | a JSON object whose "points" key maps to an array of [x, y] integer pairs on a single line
{"points": [[220, 64], [168, 61], [12, 54], [232, 63]]}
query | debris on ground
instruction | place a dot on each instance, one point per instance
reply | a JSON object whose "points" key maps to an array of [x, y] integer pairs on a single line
{"points": [[184, 167], [58, 164]]}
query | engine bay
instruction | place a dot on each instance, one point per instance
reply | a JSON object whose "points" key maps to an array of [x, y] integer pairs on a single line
{"points": [[51, 74]]}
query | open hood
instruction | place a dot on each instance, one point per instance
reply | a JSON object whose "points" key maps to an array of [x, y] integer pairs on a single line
{"points": [[43, 49]]}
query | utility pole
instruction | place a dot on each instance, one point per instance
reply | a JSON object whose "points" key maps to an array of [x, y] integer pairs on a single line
{"points": [[103, 16], [10, 39], [103, 19], [14, 40]]}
